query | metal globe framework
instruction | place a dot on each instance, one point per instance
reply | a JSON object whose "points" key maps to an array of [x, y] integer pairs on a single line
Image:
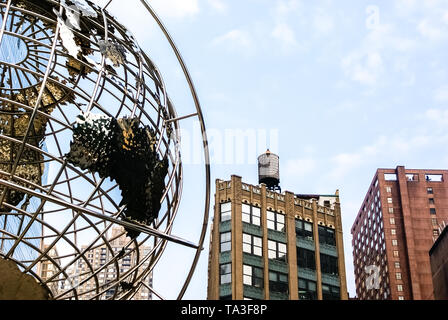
{"points": [[59, 59]]}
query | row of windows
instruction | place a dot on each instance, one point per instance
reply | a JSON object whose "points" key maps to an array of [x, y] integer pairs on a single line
{"points": [[414, 177], [278, 251], [276, 221]]}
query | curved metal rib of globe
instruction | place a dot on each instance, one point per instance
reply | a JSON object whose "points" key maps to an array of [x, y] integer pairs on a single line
{"points": [[90, 166]]}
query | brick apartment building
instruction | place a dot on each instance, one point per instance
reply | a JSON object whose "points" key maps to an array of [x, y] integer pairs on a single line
{"points": [[394, 232]]}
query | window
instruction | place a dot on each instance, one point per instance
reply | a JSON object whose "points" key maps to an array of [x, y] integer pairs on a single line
{"points": [[434, 222], [395, 253], [411, 177], [226, 211], [225, 272], [390, 177], [397, 265], [434, 177], [400, 298], [278, 282], [391, 210], [276, 221], [328, 264], [307, 289], [389, 200], [395, 243], [393, 231], [327, 203], [330, 292], [304, 230], [226, 238], [392, 221], [326, 236], [429, 191], [252, 244], [253, 276], [276, 250], [398, 275], [431, 200], [388, 189], [435, 232], [251, 214], [432, 210], [306, 259], [400, 288]]}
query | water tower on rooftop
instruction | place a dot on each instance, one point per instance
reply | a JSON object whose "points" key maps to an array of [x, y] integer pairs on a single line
{"points": [[268, 170]]}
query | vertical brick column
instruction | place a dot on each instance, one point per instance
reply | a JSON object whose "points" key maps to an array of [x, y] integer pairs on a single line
{"points": [[237, 239], [340, 248], [213, 280], [291, 246], [264, 227], [409, 236], [317, 251]]}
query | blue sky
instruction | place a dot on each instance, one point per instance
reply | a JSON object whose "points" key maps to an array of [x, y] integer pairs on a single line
{"points": [[348, 86]]}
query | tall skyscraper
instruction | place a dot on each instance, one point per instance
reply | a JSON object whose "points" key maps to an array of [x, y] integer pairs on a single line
{"points": [[271, 245], [394, 231]]}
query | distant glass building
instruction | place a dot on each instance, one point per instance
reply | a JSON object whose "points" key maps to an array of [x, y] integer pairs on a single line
{"points": [[271, 245]]}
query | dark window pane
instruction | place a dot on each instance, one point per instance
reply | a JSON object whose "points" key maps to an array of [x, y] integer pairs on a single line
{"points": [[306, 259]]}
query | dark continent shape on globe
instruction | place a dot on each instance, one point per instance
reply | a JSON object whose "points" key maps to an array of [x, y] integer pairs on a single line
{"points": [[122, 150]]}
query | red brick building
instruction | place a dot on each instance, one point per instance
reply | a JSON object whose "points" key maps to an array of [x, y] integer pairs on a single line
{"points": [[394, 231], [439, 265]]}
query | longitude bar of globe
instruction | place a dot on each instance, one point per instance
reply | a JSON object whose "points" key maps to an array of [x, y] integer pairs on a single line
{"points": [[64, 237], [101, 71], [2, 30], [32, 117], [126, 274], [153, 291], [4, 21], [75, 217], [82, 254], [58, 160], [138, 227], [134, 268], [206, 154], [22, 263]]}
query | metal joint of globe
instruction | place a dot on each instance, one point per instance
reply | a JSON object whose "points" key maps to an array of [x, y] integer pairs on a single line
{"points": [[89, 151]]}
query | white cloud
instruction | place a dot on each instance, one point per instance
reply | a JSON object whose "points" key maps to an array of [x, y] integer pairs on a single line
{"points": [[365, 68], [430, 30], [236, 40], [284, 8], [365, 64], [445, 17], [176, 8], [323, 23], [218, 5], [299, 168], [441, 94], [390, 149], [437, 116], [285, 35]]}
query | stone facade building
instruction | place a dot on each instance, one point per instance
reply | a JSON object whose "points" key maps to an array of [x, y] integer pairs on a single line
{"points": [[271, 245]]}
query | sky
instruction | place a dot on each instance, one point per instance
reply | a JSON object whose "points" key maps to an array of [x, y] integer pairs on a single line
{"points": [[336, 88]]}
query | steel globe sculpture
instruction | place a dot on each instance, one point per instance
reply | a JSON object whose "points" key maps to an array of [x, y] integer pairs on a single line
{"points": [[89, 142]]}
